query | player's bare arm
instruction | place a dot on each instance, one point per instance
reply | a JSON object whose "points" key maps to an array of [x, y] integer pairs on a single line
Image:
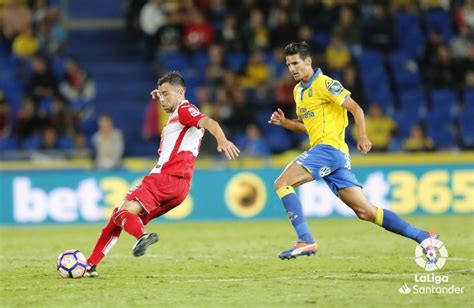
{"points": [[230, 150], [363, 144], [278, 118]]}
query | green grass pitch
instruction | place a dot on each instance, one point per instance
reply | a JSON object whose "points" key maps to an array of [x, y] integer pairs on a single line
{"points": [[231, 264]]}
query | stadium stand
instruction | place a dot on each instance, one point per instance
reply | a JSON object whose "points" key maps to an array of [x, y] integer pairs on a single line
{"points": [[398, 78]]}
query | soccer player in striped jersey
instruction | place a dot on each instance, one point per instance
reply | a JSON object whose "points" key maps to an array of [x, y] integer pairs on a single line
{"points": [[168, 183]]}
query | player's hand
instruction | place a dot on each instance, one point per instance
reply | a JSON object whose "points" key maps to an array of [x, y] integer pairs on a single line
{"points": [[364, 145], [277, 117], [155, 94], [230, 150]]}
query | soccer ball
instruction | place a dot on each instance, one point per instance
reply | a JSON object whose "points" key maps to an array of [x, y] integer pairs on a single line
{"points": [[71, 264]]}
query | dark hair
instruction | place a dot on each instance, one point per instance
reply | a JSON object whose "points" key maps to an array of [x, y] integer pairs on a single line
{"points": [[174, 78], [301, 48]]}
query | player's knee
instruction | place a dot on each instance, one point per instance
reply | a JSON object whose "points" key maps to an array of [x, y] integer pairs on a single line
{"points": [[280, 183], [365, 214]]}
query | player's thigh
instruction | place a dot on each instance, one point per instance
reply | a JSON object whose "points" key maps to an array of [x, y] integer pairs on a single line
{"points": [[293, 175], [182, 187], [354, 198], [132, 206]]}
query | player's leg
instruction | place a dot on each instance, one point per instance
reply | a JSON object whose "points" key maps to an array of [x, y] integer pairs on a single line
{"points": [[356, 200], [107, 239], [293, 176], [128, 217]]}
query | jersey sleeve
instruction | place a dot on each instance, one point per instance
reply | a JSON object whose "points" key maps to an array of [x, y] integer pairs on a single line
{"points": [[335, 92], [189, 115]]}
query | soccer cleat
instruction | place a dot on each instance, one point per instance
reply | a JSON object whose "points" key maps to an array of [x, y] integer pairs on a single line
{"points": [[298, 250], [429, 250], [91, 272], [143, 242], [433, 234]]}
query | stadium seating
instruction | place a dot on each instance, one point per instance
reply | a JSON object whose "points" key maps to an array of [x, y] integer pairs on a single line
{"points": [[466, 123], [408, 32], [374, 78], [439, 20], [405, 71]]}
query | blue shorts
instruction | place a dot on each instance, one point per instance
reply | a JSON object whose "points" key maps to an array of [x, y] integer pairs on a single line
{"points": [[328, 163]]}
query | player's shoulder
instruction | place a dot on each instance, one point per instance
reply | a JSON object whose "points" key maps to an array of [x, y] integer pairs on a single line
{"points": [[328, 84], [186, 106]]}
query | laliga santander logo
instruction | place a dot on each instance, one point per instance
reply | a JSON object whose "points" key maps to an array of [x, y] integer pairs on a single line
{"points": [[431, 254]]}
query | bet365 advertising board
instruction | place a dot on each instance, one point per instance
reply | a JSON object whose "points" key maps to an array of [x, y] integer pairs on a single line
{"points": [[39, 197]]}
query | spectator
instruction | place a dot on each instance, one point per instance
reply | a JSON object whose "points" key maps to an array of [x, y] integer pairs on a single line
{"points": [[256, 71], [467, 65], [40, 11], [76, 86], [57, 39], [283, 31], [351, 81], [417, 141], [443, 73], [256, 33], [338, 55], [152, 17], [49, 140], [108, 144], [230, 35], [16, 18], [25, 45], [435, 4], [305, 33], [132, 15], [255, 145], [215, 69], [27, 121], [380, 128], [465, 14], [378, 31], [217, 11], [198, 33], [348, 29], [435, 40], [5, 117], [284, 93], [42, 83], [80, 147], [315, 14], [170, 35], [60, 118], [460, 44], [242, 113]]}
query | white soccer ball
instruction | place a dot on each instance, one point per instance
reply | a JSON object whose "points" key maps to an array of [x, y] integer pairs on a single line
{"points": [[71, 264]]}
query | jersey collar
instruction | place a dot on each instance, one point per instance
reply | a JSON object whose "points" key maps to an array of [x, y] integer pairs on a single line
{"points": [[310, 81]]}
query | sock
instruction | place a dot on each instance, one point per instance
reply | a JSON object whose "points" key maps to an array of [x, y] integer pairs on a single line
{"points": [[394, 223], [107, 239], [131, 223], [293, 207]]}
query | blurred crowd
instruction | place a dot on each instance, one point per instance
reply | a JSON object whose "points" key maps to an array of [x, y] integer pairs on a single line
{"points": [[387, 53], [408, 63], [46, 97]]}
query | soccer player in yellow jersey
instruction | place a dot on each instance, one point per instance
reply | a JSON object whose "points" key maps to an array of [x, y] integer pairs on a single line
{"points": [[321, 106]]}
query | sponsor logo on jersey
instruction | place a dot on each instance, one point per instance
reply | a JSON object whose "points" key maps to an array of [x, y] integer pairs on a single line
{"points": [[335, 87]]}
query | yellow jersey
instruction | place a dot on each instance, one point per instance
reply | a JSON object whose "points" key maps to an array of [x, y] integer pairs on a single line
{"points": [[318, 105]]}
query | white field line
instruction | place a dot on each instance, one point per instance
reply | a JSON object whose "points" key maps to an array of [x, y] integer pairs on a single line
{"points": [[323, 276], [209, 257], [208, 278]]}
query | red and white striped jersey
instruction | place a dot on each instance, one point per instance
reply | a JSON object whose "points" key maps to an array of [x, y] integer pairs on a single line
{"points": [[180, 142]]}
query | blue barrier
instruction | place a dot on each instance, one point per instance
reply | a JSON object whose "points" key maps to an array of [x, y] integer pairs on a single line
{"points": [[89, 196]]}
